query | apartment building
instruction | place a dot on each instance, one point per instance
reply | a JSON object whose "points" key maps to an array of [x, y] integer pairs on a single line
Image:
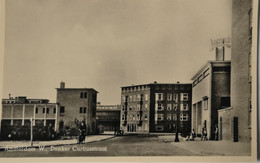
{"points": [[156, 107]]}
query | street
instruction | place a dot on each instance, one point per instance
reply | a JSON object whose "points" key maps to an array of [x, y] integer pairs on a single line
{"points": [[129, 145]]}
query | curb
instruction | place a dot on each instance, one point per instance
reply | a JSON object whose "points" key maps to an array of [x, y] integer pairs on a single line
{"points": [[55, 145]]}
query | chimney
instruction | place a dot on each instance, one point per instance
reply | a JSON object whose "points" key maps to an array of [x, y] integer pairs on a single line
{"points": [[62, 85], [178, 82], [9, 96], [220, 53]]}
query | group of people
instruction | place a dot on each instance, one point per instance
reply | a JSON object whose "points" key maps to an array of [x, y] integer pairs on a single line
{"points": [[204, 134]]}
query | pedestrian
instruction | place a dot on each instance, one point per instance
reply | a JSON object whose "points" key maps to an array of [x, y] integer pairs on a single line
{"points": [[82, 132], [216, 132], [193, 135], [202, 134], [205, 134]]}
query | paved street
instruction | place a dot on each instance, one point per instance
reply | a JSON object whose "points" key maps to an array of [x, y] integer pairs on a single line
{"points": [[131, 145], [136, 145]]}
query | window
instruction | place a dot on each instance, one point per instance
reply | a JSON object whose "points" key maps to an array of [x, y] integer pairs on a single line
{"points": [[174, 117], [83, 110], [134, 99], [184, 96], [123, 108], [250, 23], [175, 97], [163, 87], [184, 117], [145, 107], [123, 117], [138, 97], [138, 107], [160, 107], [134, 117], [169, 106], [43, 110], [184, 107], [159, 96], [62, 110], [36, 110], [146, 97], [225, 102], [130, 108], [175, 107], [249, 67], [54, 110], [205, 103], [145, 117], [83, 94], [130, 117], [250, 111], [169, 87], [169, 117], [169, 97], [175, 87], [123, 99], [138, 117], [130, 98], [160, 117], [47, 111]]}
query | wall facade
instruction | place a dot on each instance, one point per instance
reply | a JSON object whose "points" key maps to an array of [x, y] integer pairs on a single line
{"points": [[79, 104], [241, 66]]}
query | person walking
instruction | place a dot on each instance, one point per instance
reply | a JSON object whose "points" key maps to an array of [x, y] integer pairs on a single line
{"points": [[82, 132], [216, 132]]}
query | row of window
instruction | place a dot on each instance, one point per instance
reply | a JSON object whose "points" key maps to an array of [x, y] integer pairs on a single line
{"points": [[171, 97], [135, 108], [136, 117], [201, 77], [137, 88], [171, 87], [160, 117], [183, 107], [47, 110], [134, 98]]}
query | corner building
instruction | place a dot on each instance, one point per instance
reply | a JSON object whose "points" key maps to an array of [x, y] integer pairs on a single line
{"points": [[154, 107], [79, 104]]}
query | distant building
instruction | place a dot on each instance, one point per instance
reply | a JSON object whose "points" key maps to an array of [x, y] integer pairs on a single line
{"points": [[235, 121], [153, 108], [76, 104], [16, 114], [210, 92], [108, 117]]}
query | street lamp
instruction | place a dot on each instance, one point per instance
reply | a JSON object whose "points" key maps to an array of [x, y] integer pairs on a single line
{"points": [[177, 123]]}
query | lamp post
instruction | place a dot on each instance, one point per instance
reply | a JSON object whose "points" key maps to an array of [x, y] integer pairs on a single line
{"points": [[177, 122]]}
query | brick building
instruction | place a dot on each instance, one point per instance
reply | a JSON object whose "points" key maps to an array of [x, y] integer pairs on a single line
{"points": [[108, 117], [16, 114], [235, 122], [76, 103], [210, 92], [153, 108]]}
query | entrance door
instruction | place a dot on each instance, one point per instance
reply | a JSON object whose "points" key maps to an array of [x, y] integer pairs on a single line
{"points": [[220, 128], [235, 138]]}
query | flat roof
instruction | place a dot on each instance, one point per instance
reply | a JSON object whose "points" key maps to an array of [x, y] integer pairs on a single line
{"points": [[210, 62], [157, 84], [77, 89]]}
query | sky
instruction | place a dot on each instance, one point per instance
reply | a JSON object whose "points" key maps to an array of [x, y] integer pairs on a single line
{"points": [[106, 45]]}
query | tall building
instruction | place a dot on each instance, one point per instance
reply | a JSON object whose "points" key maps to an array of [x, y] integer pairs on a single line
{"points": [[76, 103], [235, 122], [17, 112], [108, 117], [154, 107], [210, 92]]}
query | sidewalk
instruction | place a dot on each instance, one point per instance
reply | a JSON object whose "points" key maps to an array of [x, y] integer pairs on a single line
{"points": [[36, 144], [213, 148]]}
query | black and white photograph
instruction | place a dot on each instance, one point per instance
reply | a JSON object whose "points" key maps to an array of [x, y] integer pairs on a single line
{"points": [[129, 80]]}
